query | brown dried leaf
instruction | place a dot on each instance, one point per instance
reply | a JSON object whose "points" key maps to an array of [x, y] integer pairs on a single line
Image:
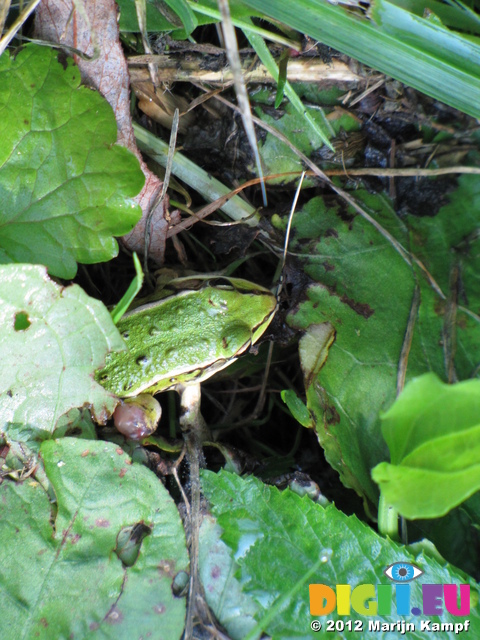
{"points": [[92, 28]]}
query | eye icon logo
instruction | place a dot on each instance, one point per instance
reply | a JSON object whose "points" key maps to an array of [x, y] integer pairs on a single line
{"points": [[403, 572]]}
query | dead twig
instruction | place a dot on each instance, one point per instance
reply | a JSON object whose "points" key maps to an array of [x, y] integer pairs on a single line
{"points": [[175, 68]]}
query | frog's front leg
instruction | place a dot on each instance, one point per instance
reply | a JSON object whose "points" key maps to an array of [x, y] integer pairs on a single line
{"points": [[195, 432]]}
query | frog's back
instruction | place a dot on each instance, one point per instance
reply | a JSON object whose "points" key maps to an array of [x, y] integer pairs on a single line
{"points": [[183, 338]]}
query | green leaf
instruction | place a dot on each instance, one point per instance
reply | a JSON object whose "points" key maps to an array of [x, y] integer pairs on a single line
{"points": [[282, 79], [365, 289], [421, 53], [60, 574], [453, 452], [162, 15], [47, 368], [455, 226], [355, 296], [454, 535], [428, 409], [208, 12], [238, 8], [433, 433], [276, 155], [65, 187], [297, 408], [276, 537], [457, 15], [122, 305], [318, 126], [224, 592], [183, 11], [421, 493]]}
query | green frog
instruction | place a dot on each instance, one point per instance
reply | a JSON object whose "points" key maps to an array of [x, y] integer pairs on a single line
{"points": [[193, 328]]}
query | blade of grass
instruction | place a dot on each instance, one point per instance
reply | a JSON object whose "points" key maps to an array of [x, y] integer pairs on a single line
{"points": [[4, 9], [205, 10], [12, 30], [267, 59], [282, 78], [184, 12], [198, 179], [420, 53], [455, 15], [122, 306]]}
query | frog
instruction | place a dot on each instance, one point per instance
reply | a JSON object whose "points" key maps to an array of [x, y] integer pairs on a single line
{"points": [[194, 327]]}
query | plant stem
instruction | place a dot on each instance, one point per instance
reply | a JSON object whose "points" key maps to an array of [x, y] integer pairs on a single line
{"points": [[387, 519], [194, 433]]}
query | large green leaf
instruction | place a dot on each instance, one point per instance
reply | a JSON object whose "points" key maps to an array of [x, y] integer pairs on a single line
{"points": [[277, 537], [433, 434], [52, 339], [355, 269], [61, 576], [364, 289], [65, 187]]}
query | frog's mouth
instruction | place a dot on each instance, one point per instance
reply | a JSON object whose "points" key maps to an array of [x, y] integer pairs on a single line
{"points": [[199, 375]]}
